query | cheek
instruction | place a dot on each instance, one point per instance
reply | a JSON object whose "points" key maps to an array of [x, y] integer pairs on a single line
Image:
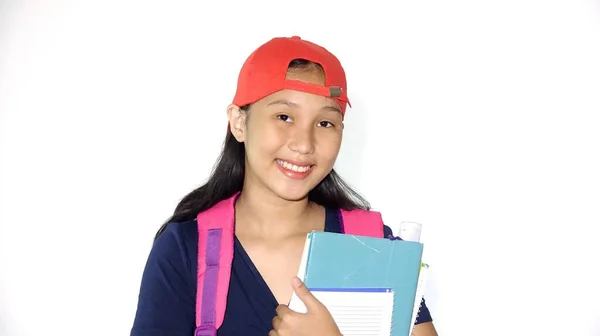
{"points": [[329, 148], [264, 142]]}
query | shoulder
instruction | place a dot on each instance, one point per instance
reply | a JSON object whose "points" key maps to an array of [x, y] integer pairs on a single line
{"points": [[166, 302], [180, 233], [178, 240]]}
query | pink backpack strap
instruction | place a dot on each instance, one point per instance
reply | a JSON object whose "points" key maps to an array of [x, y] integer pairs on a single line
{"points": [[215, 255], [362, 223]]}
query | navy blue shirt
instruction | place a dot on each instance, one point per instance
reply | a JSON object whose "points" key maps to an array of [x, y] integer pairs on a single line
{"points": [[167, 299]]}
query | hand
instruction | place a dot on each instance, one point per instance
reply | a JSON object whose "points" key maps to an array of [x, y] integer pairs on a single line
{"points": [[316, 321]]}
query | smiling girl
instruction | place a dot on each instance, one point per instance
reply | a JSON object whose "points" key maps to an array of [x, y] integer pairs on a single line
{"points": [[285, 133]]}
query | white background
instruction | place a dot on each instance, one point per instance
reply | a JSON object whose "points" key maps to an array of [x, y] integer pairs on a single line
{"points": [[478, 119]]}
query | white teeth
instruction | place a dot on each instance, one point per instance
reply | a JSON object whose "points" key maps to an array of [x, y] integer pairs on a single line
{"points": [[287, 165]]}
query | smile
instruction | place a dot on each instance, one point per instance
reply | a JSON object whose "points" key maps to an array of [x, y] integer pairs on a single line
{"points": [[293, 167]]}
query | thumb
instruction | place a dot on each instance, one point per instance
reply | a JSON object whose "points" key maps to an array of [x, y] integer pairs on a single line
{"points": [[309, 300]]}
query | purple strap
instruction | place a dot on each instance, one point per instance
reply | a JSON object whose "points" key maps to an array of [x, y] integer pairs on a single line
{"points": [[206, 330], [209, 291]]}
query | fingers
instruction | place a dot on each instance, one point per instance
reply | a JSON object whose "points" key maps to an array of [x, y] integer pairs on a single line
{"points": [[283, 321], [284, 314], [305, 295], [276, 322], [283, 310]]}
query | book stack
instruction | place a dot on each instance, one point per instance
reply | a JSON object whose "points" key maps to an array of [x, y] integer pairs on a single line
{"points": [[371, 286]]}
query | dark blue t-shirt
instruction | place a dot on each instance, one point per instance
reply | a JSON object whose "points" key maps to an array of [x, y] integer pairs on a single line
{"points": [[167, 299]]}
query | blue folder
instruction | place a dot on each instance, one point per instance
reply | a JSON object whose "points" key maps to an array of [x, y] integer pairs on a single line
{"points": [[345, 261]]}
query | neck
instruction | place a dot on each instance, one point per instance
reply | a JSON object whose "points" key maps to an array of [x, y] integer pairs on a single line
{"points": [[262, 212]]}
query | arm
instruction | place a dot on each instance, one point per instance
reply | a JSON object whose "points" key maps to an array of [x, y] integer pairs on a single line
{"points": [[424, 324], [166, 303], [424, 329]]}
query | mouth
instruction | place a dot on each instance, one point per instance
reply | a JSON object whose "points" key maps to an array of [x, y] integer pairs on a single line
{"points": [[294, 170], [294, 167]]}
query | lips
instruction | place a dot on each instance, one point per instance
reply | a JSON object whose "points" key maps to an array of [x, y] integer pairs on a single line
{"points": [[299, 168], [294, 170]]}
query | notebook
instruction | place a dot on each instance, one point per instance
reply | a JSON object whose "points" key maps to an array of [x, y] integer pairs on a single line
{"points": [[371, 272], [356, 311]]}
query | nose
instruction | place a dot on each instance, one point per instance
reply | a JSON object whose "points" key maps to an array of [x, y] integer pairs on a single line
{"points": [[302, 141]]}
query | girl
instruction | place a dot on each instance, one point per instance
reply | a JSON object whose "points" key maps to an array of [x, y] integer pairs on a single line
{"points": [[284, 135]]}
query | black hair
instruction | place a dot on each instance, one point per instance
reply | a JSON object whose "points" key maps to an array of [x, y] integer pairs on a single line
{"points": [[227, 178]]}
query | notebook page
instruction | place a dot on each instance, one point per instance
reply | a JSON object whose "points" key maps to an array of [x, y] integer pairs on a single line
{"points": [[357, 312]]}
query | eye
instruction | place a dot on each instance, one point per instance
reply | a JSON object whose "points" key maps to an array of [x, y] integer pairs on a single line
{"points": [[325, 124], [284, 117]]}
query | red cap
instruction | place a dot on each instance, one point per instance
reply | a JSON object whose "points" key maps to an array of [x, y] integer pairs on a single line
{"points": [[265, 70]]}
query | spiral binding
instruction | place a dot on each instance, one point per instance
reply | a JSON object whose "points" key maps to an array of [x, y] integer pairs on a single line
{"points": [[419, 295]]}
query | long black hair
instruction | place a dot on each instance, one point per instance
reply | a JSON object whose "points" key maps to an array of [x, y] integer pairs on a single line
{"points": [[227, 178]]}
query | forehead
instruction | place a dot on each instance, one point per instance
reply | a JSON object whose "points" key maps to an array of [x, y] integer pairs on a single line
{"points": [[292, 99]]}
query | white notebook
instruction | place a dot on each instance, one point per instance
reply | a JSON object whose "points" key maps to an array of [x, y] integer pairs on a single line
{"points": [[357, 312]]}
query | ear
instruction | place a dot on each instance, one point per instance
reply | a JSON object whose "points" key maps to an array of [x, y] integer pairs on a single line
{"points": [[237, 122]]}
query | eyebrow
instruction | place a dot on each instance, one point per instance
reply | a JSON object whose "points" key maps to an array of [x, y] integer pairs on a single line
{"points": [[292, 104], [283, 102]]}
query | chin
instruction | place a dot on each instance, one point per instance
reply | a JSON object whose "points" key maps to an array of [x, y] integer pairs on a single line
{"points": [[292, 194], [292, 190]]}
